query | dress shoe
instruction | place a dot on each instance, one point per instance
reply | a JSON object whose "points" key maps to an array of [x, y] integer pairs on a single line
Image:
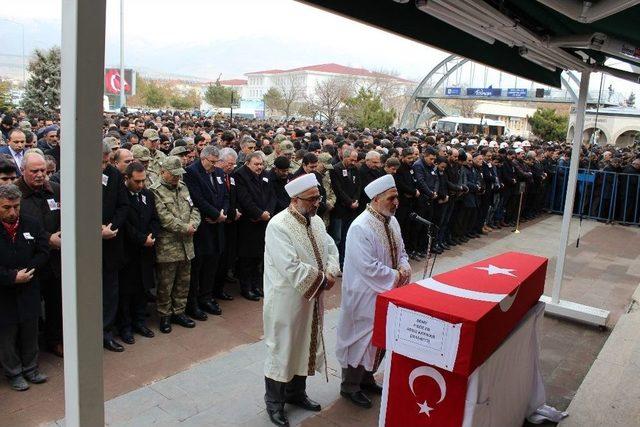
{"points": [[113, 345], [35, 377], [127, 337], [183, 320], [258, 292], [223, 296], [141, 329], [165, 324], [373, 388], [306, 403], [279, 417], [436, 250], [19, 383], [197, 313], [250, 296], [358, 398], [57, 349], [211, 307], [445, 246], [413, 256]]}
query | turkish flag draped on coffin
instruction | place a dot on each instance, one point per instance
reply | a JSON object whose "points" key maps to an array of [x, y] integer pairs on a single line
{"points": [[445, 327]]}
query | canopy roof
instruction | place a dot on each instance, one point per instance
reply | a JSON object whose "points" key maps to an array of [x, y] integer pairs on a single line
{"points": [[531, 39]]}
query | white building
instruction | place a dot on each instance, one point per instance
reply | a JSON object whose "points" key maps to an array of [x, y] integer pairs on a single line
{"points": [[615, 125], [515, 118], [305, 79]]}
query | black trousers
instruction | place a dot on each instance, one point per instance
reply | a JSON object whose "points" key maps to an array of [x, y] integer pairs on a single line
{"points": [[19, 347], [354, 378], [278, 393], [203, 278], [51, 289], [249, 273], [132, 300], [109, 302]]}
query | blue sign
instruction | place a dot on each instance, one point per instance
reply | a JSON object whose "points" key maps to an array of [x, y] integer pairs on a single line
{"points": [[487, 91], [516, 93], [453, 91]]}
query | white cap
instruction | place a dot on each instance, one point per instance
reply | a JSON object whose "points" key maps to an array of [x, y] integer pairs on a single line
{"points": [[471, 142], [380, 185], [493, 144], [483, 143], [516, 144], [504, 144], [301, 184], [454, 141], [526, 143], [519, 150]]}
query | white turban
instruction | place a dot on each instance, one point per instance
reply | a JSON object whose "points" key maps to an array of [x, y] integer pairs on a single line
{"points": [[380, 185], [301, 184]]}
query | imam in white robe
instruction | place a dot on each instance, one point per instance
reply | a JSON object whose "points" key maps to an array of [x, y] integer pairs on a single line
{"points": [[296, 258], [371, 266]]}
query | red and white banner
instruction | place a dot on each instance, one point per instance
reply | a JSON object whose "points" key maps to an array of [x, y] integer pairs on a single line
{"points": [[113, 81]]}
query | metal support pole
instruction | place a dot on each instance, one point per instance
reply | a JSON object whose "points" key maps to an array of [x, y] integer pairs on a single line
{"points": [[123, 101], [83, 35], [556, 306]]}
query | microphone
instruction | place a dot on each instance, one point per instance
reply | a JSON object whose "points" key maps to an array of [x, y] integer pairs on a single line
{"points": [[415, 217]]}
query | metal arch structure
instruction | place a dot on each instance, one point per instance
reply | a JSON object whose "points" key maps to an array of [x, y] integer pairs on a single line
{"points": [[421, 101], [444, 69]]}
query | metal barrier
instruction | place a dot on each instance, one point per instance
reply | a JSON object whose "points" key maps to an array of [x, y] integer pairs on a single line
{"points": [[600, 195]]}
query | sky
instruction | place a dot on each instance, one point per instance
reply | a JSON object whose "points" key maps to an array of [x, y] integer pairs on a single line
{"points": [[232, 37]]}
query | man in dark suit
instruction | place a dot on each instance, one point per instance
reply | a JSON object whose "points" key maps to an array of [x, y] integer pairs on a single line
{"points": [[24, 251], [257, 203], [115, 207], [15, 147], [407, 196], [41, 201], [136, 277], [346, 184], [279, 176], [369, 172], [209, 194], [427, 183]]}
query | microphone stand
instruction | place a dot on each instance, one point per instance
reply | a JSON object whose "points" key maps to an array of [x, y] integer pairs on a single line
{"points": [[426, 262]]}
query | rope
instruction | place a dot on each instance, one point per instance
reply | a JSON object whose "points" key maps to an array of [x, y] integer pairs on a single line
{"points": [[584, 193]]}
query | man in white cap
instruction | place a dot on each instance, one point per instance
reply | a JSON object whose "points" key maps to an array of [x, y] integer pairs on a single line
{"points": [[300, 262], [375, 262]]}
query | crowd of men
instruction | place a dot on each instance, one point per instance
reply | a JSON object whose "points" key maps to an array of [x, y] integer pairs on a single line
{"points": [[187, 200]]}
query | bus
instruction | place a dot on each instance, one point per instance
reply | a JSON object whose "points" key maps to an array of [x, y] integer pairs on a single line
{"points": [[472, 125]]}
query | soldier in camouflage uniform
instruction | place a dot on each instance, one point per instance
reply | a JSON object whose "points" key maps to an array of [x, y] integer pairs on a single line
{"points": [[179, 220], [150, 140], [141, 154], [282, 147], [324, 166]]}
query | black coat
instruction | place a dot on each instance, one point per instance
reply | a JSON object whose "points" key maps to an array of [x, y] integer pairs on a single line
{"points": [[209, 195], [255, 196], [277, 183], [115, 206], [44, 206], [509, 177], [21, 302], [367, 176], [427, 181], [347, 187], [142, 220], [55, 153]]}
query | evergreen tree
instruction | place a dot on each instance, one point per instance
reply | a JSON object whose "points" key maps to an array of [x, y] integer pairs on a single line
{"points": [[42, 93], [365, 110], [5, 97], [548, 125], [220, 96]]}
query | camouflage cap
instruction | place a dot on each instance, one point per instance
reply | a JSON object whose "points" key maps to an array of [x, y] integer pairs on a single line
{"points": [[151, 134], [279, 138], [173, 164], [286, 147], [326, 160], [25, 125], [141, 153], [112, 141], [180, 150]]}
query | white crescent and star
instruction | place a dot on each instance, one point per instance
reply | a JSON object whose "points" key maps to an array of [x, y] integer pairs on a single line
{"points": [[428, 371], [492, 270]]}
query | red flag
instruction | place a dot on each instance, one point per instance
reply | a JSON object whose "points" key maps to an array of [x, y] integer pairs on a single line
{"points": [[419, 395]]}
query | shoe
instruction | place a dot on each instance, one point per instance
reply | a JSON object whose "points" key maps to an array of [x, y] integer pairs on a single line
{"points": [[57, 349], [503, 224], [453, 242], [165, 324], [278, 417], [113, 345], [413, 256], [230, 278], [373, 388], [258, 292], [197, 313], [19, 383], [250, 296], [141, 329], [35, 377], [358, 398], [211, 307], [306, 403], [127, 337], [445, 246], [436, 250], [223, 296], [422, 254], [183, 320]]}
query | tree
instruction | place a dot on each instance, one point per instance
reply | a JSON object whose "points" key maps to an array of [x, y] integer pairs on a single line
{"points": [[42, 92], [548, 125], [273, 101], [365, 110], [291, 90], [5, 96], [155, 95], [631, 100], [221, 96], [329, 96], [186, 101]]}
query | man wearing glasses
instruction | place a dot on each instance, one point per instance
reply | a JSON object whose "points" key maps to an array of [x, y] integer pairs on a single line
{"points": [[300, 262]]}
